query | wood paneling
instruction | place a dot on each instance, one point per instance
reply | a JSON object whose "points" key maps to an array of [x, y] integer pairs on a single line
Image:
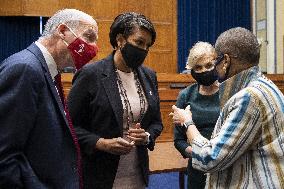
{"points": [[162, 56], [169, 87], [8, 8], [278, 79]]}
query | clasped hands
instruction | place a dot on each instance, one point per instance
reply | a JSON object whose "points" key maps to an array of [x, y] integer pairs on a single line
{"points": [[120, 146]]}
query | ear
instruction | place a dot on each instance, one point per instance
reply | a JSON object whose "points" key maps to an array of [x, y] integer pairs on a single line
{"points": [[120, 40], [227, 60], [61, 30]]}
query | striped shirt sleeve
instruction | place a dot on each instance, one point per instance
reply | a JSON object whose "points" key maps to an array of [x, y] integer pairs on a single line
{"points": [[239, 126]]}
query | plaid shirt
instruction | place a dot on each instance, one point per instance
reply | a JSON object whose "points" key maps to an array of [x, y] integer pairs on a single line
{"points": [[246, 149]]}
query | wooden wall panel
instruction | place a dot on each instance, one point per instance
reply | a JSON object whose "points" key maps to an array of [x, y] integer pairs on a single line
{"points": [[164, 40], [105, 47], [133, 6], [104, 10], [35, 7], [162, 11], [8, 7], [162, 56], [167, 134], [169, 88], [161, 61]]}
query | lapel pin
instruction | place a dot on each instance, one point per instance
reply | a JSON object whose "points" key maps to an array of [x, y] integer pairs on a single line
{"points": [[150, 92]]}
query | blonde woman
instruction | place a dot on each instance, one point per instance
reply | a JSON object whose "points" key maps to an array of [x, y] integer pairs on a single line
{"points": [[203, 98]]}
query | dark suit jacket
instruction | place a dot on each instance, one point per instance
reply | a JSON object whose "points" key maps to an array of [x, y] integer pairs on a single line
{"points": [[36, 146], [96, 110]]}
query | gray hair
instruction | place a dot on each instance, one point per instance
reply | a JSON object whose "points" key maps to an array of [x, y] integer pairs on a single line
{"points": [[70, 17], [239, 43], [198, 50]]}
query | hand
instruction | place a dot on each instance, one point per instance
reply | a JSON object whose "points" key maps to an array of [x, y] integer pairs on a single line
{"points": [[181, 116], [189, 150], [117, 146], [137, 135]]}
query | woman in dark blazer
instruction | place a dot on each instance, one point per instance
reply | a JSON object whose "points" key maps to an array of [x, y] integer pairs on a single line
{"points": [[114, 105]]}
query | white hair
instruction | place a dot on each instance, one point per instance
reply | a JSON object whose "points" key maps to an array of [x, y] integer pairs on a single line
{"points": [[70, 17], [198, 50]]}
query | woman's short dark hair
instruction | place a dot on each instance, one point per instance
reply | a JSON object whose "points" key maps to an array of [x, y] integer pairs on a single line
{"points": [[125, 24]]}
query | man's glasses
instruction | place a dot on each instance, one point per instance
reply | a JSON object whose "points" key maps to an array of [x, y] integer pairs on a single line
{"points": [[219, 59]]}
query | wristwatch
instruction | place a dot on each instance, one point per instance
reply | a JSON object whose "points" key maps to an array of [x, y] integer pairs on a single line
{"points": [[187, 124]]}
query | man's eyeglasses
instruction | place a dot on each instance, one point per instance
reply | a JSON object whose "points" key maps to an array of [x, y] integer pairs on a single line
{"points": [[219, 59]]}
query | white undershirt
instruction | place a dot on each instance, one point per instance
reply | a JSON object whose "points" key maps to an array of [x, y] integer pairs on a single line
{"points": [[52, 67]]}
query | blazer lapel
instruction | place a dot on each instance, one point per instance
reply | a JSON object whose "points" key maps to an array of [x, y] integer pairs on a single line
{"points": [[109, 81], [148, 91], [55, 95], [36, 51]]}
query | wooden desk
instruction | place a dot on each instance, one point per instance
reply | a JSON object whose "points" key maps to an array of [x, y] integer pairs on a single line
{"points": [[165, 158]]}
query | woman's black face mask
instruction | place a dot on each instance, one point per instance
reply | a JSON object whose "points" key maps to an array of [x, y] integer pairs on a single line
{"points": [[133, 55], [206, 78]]}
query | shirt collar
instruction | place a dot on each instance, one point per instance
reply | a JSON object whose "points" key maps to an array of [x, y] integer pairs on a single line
{"points": [[52, 67], [236, 83]]}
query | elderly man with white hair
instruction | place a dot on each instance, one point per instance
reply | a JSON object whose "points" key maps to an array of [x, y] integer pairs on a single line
{"points": [[38, 146], [246, 149]]}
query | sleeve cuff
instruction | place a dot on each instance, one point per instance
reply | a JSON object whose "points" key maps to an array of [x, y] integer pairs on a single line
{"points": [[148, 138], [199, 141]]}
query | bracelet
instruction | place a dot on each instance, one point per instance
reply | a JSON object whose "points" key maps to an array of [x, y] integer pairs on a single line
{"points": [[187, 124]]}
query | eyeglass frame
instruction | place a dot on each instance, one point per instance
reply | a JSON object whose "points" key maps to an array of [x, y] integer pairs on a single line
{"points": [[219, 59]]}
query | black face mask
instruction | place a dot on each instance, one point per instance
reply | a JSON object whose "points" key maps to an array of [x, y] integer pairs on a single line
{"points": [[205, 78], [133, 56]]}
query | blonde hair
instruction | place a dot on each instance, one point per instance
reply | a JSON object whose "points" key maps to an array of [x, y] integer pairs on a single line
{"points": [[198, 50]]}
